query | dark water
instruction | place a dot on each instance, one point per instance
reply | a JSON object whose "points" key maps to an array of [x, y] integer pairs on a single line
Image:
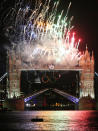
{"points": [[53, 121]]}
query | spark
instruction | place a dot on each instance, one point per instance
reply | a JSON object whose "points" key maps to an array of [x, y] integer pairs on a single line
{"points": [[40, 36]]}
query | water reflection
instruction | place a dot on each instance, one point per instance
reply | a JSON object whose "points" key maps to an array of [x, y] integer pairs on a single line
{"points": [[68, 120], [53, 121], [84, 121]]}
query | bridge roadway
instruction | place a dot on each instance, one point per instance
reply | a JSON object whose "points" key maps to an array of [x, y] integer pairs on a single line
{"points": [[35, 94], [6, 74], [57, 69], [62, 93]]}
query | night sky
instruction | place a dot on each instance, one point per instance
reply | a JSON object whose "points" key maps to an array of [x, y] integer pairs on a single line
{"points": [[86, 24], [85, 21]]}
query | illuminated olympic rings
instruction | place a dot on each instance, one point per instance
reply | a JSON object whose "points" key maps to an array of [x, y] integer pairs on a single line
{"points": [[57, 76], [45, 79]]}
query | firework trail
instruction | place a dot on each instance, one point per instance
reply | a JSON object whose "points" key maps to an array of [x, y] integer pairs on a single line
{"points": [[41, 37]]}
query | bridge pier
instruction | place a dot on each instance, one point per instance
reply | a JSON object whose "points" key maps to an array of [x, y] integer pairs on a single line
{"points": [[76, 106], [16, 104], [87, 103], [97, 106]]}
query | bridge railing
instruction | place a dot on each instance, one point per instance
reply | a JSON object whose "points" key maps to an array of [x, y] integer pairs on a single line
{"points": [[62, 93], [35, 94], [66, 95]]}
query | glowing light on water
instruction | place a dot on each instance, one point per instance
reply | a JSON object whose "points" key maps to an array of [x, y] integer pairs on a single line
{"points": [[39, 36]]}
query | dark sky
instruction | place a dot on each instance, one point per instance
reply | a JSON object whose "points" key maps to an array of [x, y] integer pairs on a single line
{"points": [[85, 20], [85, 14]]}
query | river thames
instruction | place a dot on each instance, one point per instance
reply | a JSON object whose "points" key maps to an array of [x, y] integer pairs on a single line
{"points": [[52, 121]]}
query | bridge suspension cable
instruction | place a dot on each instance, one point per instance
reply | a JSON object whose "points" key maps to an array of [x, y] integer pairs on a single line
{"points": [[3, 76]]}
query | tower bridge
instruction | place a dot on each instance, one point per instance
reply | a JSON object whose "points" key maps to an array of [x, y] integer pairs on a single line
{"points": [[85, 67], [86, 76], [45, 43]]}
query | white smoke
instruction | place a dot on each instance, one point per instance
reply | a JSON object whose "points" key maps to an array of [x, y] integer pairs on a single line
{"points": [[40, 38]]}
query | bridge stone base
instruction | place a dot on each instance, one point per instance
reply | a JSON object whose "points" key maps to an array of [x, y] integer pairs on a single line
{"points": [[87, 103], [97, 106], [14, 104]]}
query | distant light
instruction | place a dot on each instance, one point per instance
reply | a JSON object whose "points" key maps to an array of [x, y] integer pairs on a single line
{"points": [[33, 105], [37, 80], [28, 105]]}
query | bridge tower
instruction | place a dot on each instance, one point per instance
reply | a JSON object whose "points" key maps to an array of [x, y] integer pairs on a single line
{"points": [[14, 75], [87, 81]]}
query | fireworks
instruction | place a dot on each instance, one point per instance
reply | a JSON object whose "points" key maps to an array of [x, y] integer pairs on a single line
{"points": [[40, 37]]}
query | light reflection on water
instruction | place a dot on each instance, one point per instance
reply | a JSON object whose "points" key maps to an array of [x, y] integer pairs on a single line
{"points": [[53, 120]]}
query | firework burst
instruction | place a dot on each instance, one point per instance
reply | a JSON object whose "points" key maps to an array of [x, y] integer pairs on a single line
{"points": [[40, 37]]}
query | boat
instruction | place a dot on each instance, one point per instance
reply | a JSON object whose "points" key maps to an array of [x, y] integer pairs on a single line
{"points": [[37, 119]]}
